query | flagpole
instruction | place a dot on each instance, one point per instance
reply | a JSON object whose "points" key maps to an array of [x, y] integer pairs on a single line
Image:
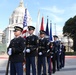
{"points": [[55, 28], [38, 23]]}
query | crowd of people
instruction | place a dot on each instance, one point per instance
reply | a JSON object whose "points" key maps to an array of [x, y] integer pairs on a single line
{"points": [[38, 51]]}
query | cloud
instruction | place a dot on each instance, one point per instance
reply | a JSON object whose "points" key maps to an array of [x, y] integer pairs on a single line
{"points": [[56, 18], [53, 9], [54, 13]]}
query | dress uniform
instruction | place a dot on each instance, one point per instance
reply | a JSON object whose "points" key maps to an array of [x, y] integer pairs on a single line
{"points": [[31, 51], [56, 47], [62, 56], [15, 52], [49, 57], [53, 60], [42, 50]]}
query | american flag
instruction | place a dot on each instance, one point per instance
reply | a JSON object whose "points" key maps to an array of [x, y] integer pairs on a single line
{"points": [[24, 33]]}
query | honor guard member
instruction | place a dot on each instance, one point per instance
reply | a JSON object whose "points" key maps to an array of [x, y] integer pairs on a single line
{"points": [[31, 50], [56, 47], [62, 56], [42, 50], [53, 60], [15, 52], [49, 57]]}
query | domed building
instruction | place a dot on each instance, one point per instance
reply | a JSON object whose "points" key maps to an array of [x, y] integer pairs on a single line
{"points": [[16, 19]]}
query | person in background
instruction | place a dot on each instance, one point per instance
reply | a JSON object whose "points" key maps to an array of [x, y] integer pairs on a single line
{"points": [[15, 52], [56, 48], [62, 56]]}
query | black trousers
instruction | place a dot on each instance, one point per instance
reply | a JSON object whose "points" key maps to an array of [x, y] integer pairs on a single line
{"points": [[53, 63]]}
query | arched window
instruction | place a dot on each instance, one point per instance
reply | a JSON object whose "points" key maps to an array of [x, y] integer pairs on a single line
{"points": [[12, 21], [16, 21], [20, 20]]}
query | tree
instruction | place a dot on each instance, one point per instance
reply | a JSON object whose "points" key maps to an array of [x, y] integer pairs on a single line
{"points": [[69, 30]]}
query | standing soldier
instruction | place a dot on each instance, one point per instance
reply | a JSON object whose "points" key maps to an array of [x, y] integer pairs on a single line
{"points": [[49, 54], [62, 57], [53, 60], [31, 47], [15, 52], [56, 47], [42, 50]]}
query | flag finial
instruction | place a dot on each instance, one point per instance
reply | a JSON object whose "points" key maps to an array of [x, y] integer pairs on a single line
{"points": [[47, 16], [21, 3]]}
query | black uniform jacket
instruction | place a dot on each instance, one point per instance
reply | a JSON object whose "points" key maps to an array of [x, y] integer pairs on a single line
{"points": [[51, 52], [32, 44], [17, 45], [43, 46], [56, 46]]}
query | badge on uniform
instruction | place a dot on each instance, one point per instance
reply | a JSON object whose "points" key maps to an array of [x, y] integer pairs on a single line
{"points": [[33, 39], [37, 41]]}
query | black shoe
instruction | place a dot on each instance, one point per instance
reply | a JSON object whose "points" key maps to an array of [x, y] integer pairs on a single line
{"points": [[53, 72], [49, 74], [44, 74], [58, 69]]}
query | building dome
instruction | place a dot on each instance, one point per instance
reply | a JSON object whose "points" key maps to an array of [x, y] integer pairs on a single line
{"points": [[20, 10], [18, 15]]}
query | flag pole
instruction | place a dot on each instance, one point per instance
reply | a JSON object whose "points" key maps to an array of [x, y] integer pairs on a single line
{"points": [[55, 28], [38, 23]]}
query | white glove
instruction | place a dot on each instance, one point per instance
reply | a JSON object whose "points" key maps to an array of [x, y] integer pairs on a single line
{"points": [[59, 53], [24, 50], [60, 50], [28, 50], [48, 50], [40, 53], [10, 51], [51, 56]]}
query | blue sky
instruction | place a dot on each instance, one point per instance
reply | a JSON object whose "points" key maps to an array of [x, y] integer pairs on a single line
{"points": [[57, 10]]}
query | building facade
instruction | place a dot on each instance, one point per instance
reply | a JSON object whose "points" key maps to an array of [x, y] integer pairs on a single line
{"points": [[1, 33], [16, 19]]}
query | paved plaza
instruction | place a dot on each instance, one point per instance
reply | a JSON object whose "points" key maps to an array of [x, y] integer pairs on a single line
{"points": [[69, 69]]}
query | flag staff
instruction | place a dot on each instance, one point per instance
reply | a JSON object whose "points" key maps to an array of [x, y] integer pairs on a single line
{"points": [[55, 28]]}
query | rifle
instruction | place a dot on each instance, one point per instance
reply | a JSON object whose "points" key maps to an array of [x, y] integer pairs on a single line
{"points": [[7, 67]]}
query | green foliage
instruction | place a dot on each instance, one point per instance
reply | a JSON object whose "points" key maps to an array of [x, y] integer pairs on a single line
{"points": [[70, 27], [69, 30], [70, 53], [2, 48]]}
